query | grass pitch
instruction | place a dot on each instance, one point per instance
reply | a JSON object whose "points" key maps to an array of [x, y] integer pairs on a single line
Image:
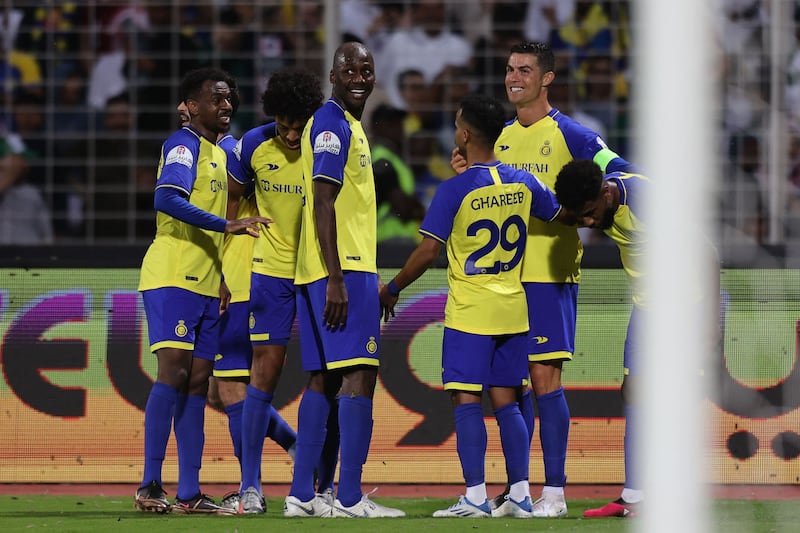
{"points": [[116, 514]]}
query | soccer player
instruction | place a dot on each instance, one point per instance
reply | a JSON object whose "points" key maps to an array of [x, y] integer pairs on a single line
{"points": [[337, 283], [613, 204], [268, 157], [481, 215], [226, 386], [540, 139], [228, 383], [182, 290]]}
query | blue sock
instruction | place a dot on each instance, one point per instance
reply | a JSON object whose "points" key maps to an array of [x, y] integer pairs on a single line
{"points": [[254, 427], [157, 426], [311, 417], [190, 415], [471, 441], [514, 438], [355, 435], [553, 434], [279, 429], [326, 469], [234, 412], [632, 480], [526, 408]]}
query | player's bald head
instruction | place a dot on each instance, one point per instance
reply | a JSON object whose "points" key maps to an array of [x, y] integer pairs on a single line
{"points": [[350, 50]]}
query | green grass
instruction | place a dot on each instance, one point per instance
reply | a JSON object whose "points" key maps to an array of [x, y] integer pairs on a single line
{"points": [[116, 514]]}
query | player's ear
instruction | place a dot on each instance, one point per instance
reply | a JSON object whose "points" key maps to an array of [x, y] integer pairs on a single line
{"points": [[548, 78], [192, 106]]}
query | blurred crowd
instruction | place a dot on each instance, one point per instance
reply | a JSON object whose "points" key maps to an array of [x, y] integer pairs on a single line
{"points": [[89, 91]]}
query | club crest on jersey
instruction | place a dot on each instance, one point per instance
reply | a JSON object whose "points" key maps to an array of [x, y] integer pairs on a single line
{"points": [[372, 345], [327, 141], [252, 321], [181, 330], [546, 149], [181, 155], [237, 150]]}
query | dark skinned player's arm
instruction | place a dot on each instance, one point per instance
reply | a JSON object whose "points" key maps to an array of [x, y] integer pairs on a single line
{"points": [[325, 194]]}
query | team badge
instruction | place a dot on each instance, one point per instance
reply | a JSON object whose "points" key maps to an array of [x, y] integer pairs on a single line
{"points": [[181, 330], [546, 149], [372, 345], [252, 321]]}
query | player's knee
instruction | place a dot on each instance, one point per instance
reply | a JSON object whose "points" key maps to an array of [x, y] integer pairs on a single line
{"points": [[359, 382], [545, 376], [213, 396], [231, 390], [502, 396]]}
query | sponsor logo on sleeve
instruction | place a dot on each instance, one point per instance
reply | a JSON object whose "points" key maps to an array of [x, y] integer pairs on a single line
{"points": [[181, 155], [327, 141]]}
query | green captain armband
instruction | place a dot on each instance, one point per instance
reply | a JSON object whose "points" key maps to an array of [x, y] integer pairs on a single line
{"points": [[604, 157]]}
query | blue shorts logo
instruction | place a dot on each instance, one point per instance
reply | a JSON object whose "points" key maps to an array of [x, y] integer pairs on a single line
{"points": [[372, 345], [181, 330]]}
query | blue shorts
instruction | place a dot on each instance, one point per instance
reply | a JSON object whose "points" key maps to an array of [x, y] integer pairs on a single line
{"points": [[633, 344], [354, 344], [272, 309], [235, 352], [177, 318], [472, 362], [552, 311]]}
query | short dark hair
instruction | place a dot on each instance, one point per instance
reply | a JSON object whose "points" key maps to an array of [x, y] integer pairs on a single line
{"points": [[192, 82], [294, 93], [484, 113], [542, 51], [578, 182]]}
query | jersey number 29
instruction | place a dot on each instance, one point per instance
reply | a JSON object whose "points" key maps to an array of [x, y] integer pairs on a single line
{"points": [[497, 235]]}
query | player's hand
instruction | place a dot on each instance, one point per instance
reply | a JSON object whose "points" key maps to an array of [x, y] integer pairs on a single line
{"points": [[250, 226], [224, 297], [387, 302], [335, 314], [457, 161]]}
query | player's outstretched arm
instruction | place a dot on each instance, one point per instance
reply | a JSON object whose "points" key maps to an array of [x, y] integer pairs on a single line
{"points": [[418, 262], [250, 226]]}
